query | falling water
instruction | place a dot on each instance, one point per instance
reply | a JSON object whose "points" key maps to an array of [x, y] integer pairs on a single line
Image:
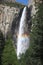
{"points": [[23, 36]]}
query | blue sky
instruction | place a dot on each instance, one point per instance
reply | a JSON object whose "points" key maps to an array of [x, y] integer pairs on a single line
{"points": [[25, 2]]}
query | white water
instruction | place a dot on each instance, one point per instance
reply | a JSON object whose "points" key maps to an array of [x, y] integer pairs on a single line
{"points": [[23, 38]]}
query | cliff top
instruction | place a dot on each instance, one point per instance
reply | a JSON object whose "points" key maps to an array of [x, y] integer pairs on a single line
{"points": [[11, 4]]}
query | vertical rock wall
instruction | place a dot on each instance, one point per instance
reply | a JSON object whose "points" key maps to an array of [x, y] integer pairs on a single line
{"points": [[6, 17]]}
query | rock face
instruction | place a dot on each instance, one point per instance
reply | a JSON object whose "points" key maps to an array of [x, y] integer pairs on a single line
{"points": [[6, 17], [9, 1], [16, 23], [32, 3]]}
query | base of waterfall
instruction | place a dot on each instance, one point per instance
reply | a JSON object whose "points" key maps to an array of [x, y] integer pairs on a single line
{"points": [[22, 46]]}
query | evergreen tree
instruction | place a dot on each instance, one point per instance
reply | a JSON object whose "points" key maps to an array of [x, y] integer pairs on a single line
{"points": [[9, 55], [40, 32], [35, 51], [2, 43]]}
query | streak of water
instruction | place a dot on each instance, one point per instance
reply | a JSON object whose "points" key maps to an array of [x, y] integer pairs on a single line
{"points": [[23, 38]]}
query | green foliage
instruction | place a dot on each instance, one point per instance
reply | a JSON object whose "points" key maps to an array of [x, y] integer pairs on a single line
{"points": [[40, 32], [35, 51], [9, 55], [2, 43]]}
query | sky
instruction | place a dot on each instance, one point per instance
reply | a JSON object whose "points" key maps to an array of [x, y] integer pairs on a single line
{"points": [[25, 2]]}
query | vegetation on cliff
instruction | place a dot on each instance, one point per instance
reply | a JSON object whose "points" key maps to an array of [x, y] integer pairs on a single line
{"points": [[2, 43], [9, 55], [34, 55], [16, 4]]}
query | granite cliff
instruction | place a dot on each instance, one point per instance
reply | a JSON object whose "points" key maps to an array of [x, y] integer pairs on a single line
{"points": [[7, 14]]}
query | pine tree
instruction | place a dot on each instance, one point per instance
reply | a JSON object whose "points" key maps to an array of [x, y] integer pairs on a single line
{"points": [[35, 51], [40, 32], [2, 43], [9, 55]]}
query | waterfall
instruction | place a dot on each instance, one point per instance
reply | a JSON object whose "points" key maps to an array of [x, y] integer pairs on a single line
{"points": [[23, 35]]}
